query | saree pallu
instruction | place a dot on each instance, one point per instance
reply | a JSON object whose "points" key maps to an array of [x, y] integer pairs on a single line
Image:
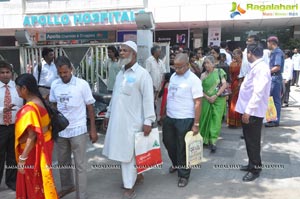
{"points": [[234, 118], [37, 181], [211, 114]]}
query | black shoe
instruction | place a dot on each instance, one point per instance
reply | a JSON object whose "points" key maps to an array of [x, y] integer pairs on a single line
{"points": [[213, 148], [271, 124], [244, 168], [182, 182], [172, 169], [250, 176]]}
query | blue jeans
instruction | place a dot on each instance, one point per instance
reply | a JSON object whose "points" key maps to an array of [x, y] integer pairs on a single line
{"points": [[276, 88]]}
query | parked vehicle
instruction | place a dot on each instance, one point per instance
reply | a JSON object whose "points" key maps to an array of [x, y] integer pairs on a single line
{"points": [[100, 108]]}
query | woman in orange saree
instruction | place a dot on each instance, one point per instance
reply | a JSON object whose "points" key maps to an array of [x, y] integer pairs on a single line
{"points": [[33, 144], [234, 118]]}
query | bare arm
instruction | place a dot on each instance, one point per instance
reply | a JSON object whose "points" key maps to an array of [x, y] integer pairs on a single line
{"points": [[30, 143], [93, 132], [197, 106]]}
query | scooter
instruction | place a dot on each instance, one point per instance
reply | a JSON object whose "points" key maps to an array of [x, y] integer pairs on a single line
{"points": [[100, 109]]}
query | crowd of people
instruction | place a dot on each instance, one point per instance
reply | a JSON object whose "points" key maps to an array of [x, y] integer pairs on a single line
{"points": [[188, 98]]}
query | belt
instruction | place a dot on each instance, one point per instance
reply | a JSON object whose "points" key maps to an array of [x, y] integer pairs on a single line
{"points": [[275, 74], [47, 87]]}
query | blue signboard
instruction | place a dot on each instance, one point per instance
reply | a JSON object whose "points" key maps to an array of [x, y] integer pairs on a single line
{"points": [[99, 35], [78, 19]]}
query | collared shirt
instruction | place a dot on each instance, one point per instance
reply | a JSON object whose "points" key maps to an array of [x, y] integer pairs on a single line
{"points": [[296, 61], [246, 65], [48, 74], [255, 90], [182, 91], [156, 70], [131, 107], [71, 99], [113, 69], [15, 99], [277, 59], [288, 69]]}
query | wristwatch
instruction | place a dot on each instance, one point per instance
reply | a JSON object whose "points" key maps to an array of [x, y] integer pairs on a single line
{"points": [[196, 124]]}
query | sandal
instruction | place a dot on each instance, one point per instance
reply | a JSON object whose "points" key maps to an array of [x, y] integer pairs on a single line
{"points": [[63, 193], [182, 182]]}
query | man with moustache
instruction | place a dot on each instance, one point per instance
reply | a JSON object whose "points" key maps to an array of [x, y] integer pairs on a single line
{"points": [[183, 109], [10, 103], [252, 104], [131, 110], [73, 98]]}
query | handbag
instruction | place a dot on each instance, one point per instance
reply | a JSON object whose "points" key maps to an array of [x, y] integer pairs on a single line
{"points": [[194, 149], [58, 121], [147, 151], [227, 90]]}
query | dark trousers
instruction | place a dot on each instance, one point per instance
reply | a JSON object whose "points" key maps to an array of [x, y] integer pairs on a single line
{"points": [[286, 94], [7, 154], [276, 89], [252, 135], [295, 77], [174, 131]]}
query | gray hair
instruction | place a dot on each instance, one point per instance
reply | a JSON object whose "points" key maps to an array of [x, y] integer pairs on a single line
{"points": [[210, 58], [182, 57]]}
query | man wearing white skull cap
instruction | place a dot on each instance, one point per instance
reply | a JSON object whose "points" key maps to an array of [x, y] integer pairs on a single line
{"points": [[131, 110]]}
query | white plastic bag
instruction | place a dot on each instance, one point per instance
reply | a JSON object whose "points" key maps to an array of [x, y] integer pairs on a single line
{"points": [[147, 151], [194, 149]]}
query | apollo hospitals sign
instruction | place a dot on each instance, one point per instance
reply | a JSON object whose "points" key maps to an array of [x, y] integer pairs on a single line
{"points": [[77, 19]]}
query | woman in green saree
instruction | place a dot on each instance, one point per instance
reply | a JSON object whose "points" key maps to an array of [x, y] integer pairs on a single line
{"points": [[213, 105]]}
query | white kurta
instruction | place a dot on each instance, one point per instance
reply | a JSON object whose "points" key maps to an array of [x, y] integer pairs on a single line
{"points": [[131, 106]]}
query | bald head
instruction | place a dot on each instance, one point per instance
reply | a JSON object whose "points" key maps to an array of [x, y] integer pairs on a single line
{"points": [[182, 58], [181, 63]]}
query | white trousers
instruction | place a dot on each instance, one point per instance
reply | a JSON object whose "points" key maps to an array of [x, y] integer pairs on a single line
{"points": [[129, 173]]}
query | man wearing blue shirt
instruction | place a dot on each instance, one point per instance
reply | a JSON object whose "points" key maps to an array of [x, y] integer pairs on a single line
{"points": [[276, 66]]}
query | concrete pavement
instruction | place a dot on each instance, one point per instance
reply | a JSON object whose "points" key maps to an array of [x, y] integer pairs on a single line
{"points": [[219, 176]]}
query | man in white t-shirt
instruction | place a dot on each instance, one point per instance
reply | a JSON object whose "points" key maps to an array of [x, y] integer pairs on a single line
{"points": [[73, 97], [182, 115]]}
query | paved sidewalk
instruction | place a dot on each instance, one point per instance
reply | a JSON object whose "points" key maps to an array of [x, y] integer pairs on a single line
{"points": [[218, 177]]}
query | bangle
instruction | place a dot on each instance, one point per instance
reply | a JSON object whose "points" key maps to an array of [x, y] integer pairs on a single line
{"points": [[196, 124], [22, 159]]}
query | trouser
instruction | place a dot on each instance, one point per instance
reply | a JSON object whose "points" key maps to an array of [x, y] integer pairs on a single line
{"points": [[7, 154], [157, 104], [276, 93], [252, 135], [129, 173], [77, 146], [286, 94], [174, 131], [296, 77]]}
